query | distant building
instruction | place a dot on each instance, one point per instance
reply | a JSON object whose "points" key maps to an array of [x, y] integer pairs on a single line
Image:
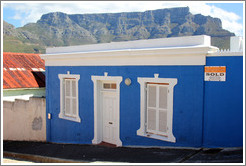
{"points": [[177, 91], [23, 76]]}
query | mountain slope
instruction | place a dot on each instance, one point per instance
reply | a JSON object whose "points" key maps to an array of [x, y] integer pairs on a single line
{"points": [[16, 41], [60, 29]]}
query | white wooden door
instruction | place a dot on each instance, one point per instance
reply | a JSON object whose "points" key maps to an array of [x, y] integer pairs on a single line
{"points": [[110, 123]]}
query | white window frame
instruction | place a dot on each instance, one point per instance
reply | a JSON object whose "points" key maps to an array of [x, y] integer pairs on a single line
{"points": [[142, 131], [62, 113]]}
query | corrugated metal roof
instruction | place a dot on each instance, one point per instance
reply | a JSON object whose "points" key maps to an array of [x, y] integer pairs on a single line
{"points": [[23, 70]]}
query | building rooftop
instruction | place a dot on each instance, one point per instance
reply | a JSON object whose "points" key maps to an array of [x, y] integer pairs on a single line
{"points": [[188, 50], [146, 44], [23, 70]]}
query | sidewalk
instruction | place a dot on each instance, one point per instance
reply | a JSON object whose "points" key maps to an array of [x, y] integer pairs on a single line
{"points": [[44, 152], [11, 160]]}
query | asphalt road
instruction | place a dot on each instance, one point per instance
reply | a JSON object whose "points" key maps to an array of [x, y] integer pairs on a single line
{"points": [[53, 152]]}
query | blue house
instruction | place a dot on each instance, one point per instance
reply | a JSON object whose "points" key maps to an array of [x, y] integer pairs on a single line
{"points": [[160, 92]]}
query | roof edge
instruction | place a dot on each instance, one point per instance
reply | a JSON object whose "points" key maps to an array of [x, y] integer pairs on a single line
{"points": [[194, 55], [201, 49], [183, 41]]}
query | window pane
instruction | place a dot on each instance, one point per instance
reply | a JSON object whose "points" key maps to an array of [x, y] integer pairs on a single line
{"points": [[163, 121], [109, 86], [67, 106], [106, 86], [74, 88], [152, 96], [113, 86], [163, 97], [74, 107], [151, 119], [67, 88]]}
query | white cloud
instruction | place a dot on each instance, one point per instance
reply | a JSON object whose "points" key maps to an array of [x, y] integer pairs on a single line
{"points": [[227, 18], [32, 11], [17, 16]]}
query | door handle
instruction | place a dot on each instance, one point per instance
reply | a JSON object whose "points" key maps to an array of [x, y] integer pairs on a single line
{"points": [[110, 122]]}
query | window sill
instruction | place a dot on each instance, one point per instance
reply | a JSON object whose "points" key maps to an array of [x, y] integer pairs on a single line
{"points": [[169, 138], [75, 119]]}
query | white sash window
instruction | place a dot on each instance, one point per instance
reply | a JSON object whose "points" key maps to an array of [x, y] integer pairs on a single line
{"points": [[69, 107]]}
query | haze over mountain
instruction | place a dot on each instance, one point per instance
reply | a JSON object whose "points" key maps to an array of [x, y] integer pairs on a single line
{"points": [[60, 29]]}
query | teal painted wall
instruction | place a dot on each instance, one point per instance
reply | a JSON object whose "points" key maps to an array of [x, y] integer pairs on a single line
{"points": [[39, 92]]}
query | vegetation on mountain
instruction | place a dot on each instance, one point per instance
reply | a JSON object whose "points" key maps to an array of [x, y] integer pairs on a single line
{"points": [[60, 29]]}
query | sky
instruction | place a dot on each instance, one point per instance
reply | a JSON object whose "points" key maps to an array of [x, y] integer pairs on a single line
{"points": [[19, 14]]}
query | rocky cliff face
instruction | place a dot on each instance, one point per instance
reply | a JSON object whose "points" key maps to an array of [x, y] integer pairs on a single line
{"points": [[8, 29], [60, 29]]}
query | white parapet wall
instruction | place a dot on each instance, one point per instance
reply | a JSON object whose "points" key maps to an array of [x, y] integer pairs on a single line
{"points": [[188, 50], [236, 44], [236, 48], [184, 41], [24, 120]]}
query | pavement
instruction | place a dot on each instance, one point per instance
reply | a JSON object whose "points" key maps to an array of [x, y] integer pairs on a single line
{"points": [[12, 160], [44, 152]]}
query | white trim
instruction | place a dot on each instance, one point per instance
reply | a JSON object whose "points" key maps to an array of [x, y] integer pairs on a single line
{"points": [[183, 41], [97, 80], [62, 113], [221, 54], [193, 55], [142, 130]]}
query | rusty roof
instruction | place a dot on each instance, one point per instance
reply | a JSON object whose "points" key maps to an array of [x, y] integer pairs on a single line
{"points": [[23, 70]]}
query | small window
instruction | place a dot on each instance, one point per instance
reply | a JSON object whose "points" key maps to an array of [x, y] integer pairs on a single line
{"points": [[69, 107], [157, 108], [109, 86]]}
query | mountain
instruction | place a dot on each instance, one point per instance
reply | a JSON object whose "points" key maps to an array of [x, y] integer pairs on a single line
{"points": [[16, 40], [60, 29]]}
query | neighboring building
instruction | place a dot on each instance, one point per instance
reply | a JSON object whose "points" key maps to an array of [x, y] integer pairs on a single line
{"points": [[160, 92], [24, 108], [23, 76]]}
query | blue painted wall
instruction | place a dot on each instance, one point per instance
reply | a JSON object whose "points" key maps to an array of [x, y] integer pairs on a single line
{"points": [[208, 114], [187, 111], [223, 113]]}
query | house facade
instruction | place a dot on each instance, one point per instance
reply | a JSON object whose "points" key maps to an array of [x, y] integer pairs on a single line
{"points": [[159, 92]]}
